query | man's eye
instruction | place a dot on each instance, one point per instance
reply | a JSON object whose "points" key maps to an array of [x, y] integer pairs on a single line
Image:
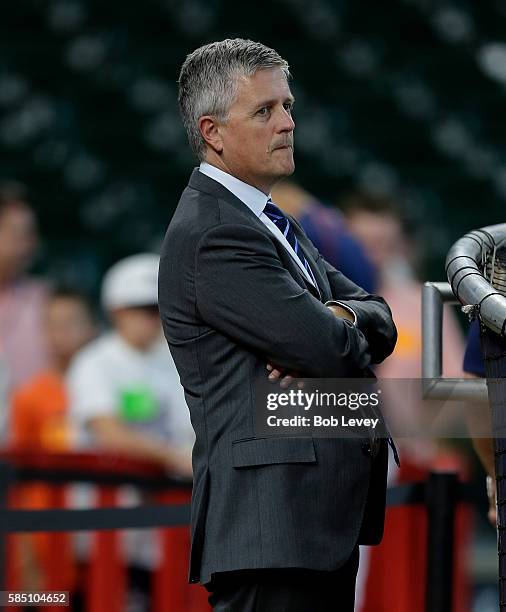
{"points": [[263, 111], [288, 106]]}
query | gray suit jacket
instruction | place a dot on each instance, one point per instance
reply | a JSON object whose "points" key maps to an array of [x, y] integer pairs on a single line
{"points": [[231, 298]]}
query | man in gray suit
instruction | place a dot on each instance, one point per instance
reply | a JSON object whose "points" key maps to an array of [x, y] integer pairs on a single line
{"points": [[243, 294]]}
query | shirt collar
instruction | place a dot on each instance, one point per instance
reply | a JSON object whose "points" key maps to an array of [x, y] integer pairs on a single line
{"points": [[254, 199]]}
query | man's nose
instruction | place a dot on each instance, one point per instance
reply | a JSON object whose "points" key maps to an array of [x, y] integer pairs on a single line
{"points": [[287, 124]]}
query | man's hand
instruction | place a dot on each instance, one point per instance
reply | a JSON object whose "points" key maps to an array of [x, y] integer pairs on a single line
{"points": [[282, 375], [112, 434], [179, 463], [341, 312], [492, 501]]}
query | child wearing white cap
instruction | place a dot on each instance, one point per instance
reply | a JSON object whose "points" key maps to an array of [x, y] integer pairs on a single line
{"points": [[124, 389]]}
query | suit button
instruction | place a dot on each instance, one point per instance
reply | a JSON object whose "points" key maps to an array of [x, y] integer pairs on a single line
{"points": [[366, 449]]}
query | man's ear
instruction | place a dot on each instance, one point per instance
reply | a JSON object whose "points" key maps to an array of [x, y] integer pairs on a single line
{"points": [[209, 128]]}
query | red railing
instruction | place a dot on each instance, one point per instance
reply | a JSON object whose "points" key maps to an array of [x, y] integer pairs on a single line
{"points": [[105, 581]]}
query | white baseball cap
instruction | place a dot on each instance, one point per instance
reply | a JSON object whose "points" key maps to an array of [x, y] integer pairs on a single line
{"points": [[133, 281]]}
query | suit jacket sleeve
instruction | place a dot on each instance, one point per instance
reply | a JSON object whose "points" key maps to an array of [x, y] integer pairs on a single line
{"points": [[243, 291], [374, 317]]}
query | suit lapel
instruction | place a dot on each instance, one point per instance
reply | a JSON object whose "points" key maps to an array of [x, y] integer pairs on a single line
{"points": [[318, 272], [204, 183], [293, 268]]}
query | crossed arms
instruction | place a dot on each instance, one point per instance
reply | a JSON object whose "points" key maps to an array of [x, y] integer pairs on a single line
{"points": [[244, 291]]}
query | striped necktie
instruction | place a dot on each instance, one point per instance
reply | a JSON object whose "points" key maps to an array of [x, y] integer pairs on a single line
{"points": [[278, 217]]}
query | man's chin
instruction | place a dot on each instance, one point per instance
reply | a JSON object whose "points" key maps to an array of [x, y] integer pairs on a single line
{"points": [[287, 166], [290, 169]]}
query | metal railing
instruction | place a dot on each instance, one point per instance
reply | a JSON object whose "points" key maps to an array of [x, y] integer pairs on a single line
{"points": [[435, 386]]}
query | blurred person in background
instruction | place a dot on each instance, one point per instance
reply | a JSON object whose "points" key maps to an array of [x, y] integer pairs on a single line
{"points": [[38, 422], [391, 579], [474, 367], [473, 358], [376, 222], [126, 398], [38, 417], [22, 299], [326, 228], [124, 389]]}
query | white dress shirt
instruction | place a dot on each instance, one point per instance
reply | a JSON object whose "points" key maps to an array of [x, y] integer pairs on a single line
{"points": [[256, 201]]}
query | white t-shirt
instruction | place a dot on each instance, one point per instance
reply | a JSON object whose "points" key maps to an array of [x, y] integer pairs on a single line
{"points": [[111, 378], [141, 388]]}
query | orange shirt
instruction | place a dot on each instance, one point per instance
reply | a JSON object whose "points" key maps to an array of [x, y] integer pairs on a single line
{"points": [[38, 423], [38, 414]]}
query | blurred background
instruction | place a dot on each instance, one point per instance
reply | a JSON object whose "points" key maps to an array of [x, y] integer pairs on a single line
{"points": [[399, 124], [402, 98]]}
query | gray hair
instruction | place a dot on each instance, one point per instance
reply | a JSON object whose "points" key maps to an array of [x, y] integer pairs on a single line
{"points": [[209, 78]]}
